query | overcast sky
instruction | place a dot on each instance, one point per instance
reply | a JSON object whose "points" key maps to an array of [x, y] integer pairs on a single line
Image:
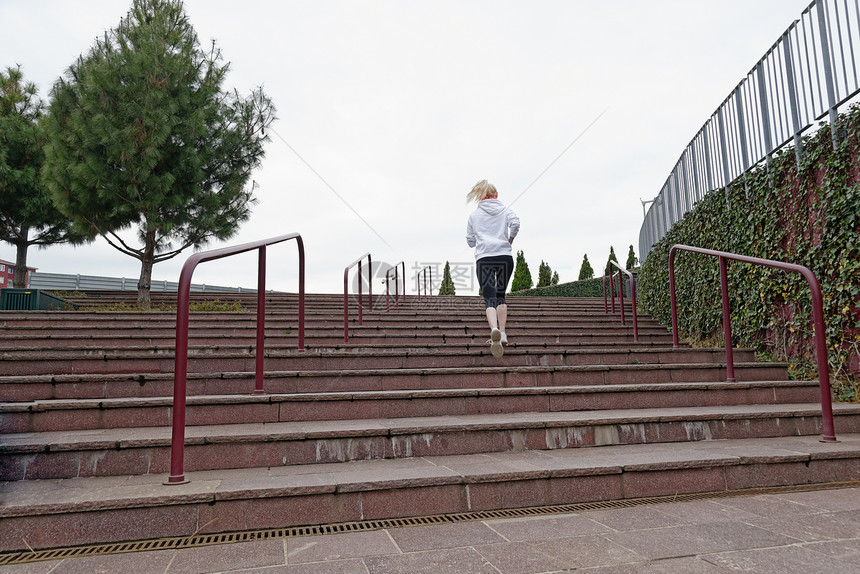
{"points": [[394, 109]]}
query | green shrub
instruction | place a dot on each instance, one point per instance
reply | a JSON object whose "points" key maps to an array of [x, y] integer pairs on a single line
{"points": [[214, 306], [586, 288]]}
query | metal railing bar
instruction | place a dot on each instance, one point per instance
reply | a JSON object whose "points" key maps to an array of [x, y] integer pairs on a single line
{"points": [[811, 99], [742, 134], [792, 95], [850, 42], [754, 113], [841, 43], [180, 368], [828, 433], [826, 51], [783, 103], [605, 298], [822, 109]]}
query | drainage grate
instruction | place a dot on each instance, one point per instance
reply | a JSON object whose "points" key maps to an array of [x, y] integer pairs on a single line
{"points": [[197, 540]]}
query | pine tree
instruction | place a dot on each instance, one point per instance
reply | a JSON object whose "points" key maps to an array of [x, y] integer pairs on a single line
{"points": [[27, 215], [447, 286], [544, 275], [554, 280], [610, 268], [631, 259], [522, 275], [585, 272], [141, 135]]}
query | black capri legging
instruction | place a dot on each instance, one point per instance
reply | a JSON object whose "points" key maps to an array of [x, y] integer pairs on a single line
{"points": [[493, 275]]}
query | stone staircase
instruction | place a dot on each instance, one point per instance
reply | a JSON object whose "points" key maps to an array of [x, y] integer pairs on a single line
{"points": [[412, 417]]}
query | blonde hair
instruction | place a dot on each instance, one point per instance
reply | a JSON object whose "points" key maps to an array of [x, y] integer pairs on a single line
{"points": [[482, 190]]}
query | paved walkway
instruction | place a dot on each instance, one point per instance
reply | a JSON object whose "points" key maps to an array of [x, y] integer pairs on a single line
{"points": [[790, 532], [795, 532]]}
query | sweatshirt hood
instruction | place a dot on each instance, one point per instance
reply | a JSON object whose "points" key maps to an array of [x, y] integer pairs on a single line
{"points": [[492, 206]]}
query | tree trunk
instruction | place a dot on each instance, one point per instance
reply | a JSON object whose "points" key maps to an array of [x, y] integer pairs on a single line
{"points": [[145, 281], [20, 278]]}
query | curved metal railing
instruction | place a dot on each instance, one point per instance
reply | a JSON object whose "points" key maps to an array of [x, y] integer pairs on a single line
{"points": [[346, 292], [418, 275], [397, 279], [828, 433], [611, 293], [180, 366]]}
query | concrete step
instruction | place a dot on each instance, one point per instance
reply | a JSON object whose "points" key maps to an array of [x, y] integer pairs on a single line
{"points": [[143, 342], [146, 450], [160, 383], [35, 319], [412, 416], [248, 329], [86, 414], [411, 312], [324, 300], [67, 512], [61, 360], [356, 343]]}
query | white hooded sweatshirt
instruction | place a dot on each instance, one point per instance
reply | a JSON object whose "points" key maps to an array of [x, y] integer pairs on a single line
{"points": [[489, 228]]}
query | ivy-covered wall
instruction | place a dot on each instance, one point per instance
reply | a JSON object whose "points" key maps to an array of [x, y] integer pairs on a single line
{"points": [[809, 216]]}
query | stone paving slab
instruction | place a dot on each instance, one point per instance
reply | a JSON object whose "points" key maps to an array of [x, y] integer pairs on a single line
{"points": [[687, 540]]}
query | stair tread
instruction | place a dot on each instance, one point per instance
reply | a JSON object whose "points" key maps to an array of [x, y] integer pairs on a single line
{"points": [[44, 497], [463, 430], [369, 351], [403, 371], [136, 437], [125, 402]]}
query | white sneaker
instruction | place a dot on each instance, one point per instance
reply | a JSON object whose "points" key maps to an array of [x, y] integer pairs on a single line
{"points": [[495, 344], [504, 340]]}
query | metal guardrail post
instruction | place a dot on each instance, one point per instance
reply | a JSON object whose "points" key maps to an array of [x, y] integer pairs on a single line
{"points": [[725, 157], [611, 291], [828, 432], [727, 321], [792, 98], [388, 291], [605, 299], [259, 356], [828, 73]]}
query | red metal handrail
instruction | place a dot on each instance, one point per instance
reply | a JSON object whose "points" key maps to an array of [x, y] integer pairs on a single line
{"points": [[183, 297], [828, 434], [605, 300], [396, 285], [346, 289], [612, 277], [418, 280]]}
